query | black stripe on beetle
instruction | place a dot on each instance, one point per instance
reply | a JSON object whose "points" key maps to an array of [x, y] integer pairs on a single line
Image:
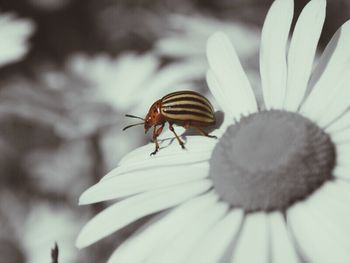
{"points": [[187, 107], [183, 108], [185, 97]]}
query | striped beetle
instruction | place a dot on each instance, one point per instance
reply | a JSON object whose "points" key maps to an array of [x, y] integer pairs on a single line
{"points": [[183, 108]]}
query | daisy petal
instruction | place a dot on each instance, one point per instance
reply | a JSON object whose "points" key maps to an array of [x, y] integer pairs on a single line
{"points": [[342, 123], [339, 190], [339, 104], [173, 154], [273, 64], [342, 172], [215, 87], [193, 144], [301, 53], [282, 248], [254, 237], [234, 87], [162, 231], [330, 75], [308, 224], [188, 239], [143, 180], [341, 137], [209, 249], [129, 210], [343, 154]]}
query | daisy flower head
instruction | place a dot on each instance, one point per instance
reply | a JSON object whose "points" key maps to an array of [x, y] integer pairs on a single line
{"points": [[14, 34], [274, 187]]}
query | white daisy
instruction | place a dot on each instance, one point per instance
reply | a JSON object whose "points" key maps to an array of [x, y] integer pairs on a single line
{"points": [[14, 34], [273, 188]]}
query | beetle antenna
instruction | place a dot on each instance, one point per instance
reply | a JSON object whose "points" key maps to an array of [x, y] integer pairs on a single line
{"points": [[133, 116], [132, 125]]}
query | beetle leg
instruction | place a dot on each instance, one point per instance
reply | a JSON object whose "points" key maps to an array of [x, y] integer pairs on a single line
{"points": [[156, 133], [204, 133], [177, 137]]}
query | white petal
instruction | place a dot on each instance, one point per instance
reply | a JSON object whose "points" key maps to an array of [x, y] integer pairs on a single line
{"points": [[339, 103], [198, 149], [193, 144], [319, 239], [339, 191], [163, 231], [126, 211], [282, 248], [143, 180], [233, 85], [342, 123], [273, 64], [252, 245], [179, 46], [341, 137], [343, 154], [216, 89], [301, 53], [180, 248], [330, 74], [342, 172], [209, 249]]}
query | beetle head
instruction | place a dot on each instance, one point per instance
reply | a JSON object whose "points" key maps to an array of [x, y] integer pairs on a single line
{"points": [[152, 117]]}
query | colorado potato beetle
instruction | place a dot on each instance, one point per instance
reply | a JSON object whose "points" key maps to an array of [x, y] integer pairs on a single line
{"points": [[182, 108]]}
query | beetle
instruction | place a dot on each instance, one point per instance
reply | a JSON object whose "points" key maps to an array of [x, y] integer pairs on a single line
{"points": [[182, 108]]}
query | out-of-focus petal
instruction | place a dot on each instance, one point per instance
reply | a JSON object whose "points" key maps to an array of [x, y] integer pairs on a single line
{"points": [[14, 34]]}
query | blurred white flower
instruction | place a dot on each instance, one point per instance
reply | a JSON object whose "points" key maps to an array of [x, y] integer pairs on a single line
{"points": [[132, 82], [46, 167], [186, 37], [14, 34], [49, 5], [57, 100], [46, 225], [274, 187]]}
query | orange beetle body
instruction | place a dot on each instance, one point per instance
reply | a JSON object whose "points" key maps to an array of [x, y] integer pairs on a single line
{"points": [[183, 108]]}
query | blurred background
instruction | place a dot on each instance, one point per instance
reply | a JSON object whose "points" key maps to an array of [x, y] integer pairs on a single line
{"points": [[69, 71]]}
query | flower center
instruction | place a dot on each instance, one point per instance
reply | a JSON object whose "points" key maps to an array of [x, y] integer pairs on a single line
{"points": [[271, 159]]}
